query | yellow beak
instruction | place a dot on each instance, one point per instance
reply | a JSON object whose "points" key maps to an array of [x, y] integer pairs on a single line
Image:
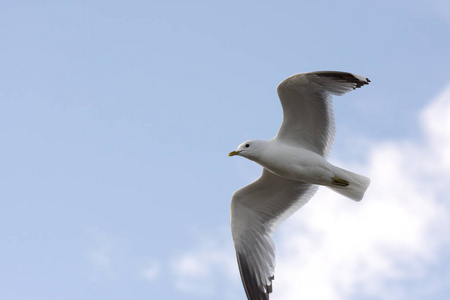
{"points": [[232, 153]]}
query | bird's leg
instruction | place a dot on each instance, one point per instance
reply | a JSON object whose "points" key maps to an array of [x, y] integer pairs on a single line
{"points": [[339, 181]]}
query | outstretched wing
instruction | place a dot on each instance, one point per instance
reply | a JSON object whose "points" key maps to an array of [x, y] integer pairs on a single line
{"points": [[308, 118], [256, 210]]}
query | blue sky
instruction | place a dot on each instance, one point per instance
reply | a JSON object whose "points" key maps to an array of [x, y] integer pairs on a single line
{"points": [[116, 119]]}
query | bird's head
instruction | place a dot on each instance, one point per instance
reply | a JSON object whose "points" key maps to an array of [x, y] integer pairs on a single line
{"points": [[251, 149]]}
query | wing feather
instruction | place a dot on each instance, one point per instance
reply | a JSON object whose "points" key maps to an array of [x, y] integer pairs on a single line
{"points": [[306, 98], [256, 211]]}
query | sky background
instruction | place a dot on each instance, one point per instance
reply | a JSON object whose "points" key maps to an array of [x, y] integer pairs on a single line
{"points": [[116, 119]]}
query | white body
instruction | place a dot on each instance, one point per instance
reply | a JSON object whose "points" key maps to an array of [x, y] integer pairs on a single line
{"points": [[296, 163], [303, 165]]}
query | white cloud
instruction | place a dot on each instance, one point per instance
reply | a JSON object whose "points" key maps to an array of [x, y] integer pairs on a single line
{"points": [[102, 255], [337, 249], [209, 268], [110, 257], [151, 271], [436, 122], [334, 248]]}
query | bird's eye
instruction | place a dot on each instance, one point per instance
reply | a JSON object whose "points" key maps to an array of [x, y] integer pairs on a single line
{"points": [[247, 145]]}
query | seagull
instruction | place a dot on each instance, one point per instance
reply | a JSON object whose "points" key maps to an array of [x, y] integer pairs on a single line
{"points": [[294, 165]]}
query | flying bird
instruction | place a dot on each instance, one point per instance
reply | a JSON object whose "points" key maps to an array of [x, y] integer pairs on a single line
{"points": [[294, 165]]}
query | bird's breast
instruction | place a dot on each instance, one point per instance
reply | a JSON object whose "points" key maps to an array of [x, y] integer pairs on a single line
{"points": [[297, 164]]}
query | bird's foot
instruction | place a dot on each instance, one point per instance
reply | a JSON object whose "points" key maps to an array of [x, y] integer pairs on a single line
{"points": [[339, 181]]}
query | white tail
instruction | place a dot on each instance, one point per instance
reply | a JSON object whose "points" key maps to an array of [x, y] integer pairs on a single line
{"points": [[357, 186]]}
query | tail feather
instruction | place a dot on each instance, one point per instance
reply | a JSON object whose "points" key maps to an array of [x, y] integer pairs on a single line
{"points": [[356, 188]]}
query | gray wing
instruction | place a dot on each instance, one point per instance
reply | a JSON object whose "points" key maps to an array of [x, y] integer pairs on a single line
{"points": [[256, 210], [308, 118]]}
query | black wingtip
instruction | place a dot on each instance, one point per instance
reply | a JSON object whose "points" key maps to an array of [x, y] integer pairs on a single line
{"points": [[251, 286], [359, 83], [344, 76]]}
